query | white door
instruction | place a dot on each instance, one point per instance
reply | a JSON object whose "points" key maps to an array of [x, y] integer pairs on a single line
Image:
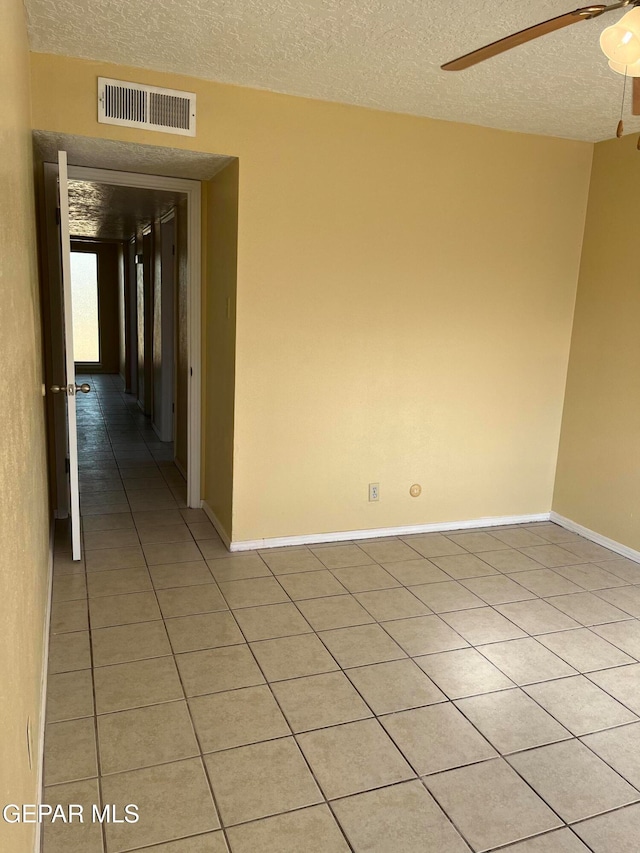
{"points": [[68, 385]]}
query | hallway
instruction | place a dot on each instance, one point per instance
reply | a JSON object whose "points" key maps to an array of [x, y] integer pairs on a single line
{"points": [[433, 694]]}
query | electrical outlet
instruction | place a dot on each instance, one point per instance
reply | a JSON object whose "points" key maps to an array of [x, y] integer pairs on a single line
{"points": [[374, 491]]}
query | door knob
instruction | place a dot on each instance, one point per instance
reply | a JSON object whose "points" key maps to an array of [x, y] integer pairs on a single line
{"points": [[70, 389]]}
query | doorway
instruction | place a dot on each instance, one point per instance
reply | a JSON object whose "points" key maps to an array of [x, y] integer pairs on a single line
{"points": [[135, 283]]}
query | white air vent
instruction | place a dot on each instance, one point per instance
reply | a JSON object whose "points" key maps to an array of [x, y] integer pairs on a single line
{"points": [[149, 107]]}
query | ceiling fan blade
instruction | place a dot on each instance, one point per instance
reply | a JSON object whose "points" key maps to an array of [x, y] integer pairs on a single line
{"points": [[529, 34], [635, 101]]}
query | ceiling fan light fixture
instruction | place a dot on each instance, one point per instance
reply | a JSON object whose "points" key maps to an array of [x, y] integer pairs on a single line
{"points": [[621, 42], [630, 70]]}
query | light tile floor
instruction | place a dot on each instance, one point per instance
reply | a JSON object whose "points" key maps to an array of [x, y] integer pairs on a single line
{"points": [[431, 694]]}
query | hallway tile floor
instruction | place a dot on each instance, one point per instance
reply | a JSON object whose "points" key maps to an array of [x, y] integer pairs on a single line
{"points": [[431, 694]]}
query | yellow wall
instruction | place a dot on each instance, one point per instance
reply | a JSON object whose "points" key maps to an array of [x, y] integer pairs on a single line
{"points": [[24, 522], [404, 307], [598, 479], [221, 236]]}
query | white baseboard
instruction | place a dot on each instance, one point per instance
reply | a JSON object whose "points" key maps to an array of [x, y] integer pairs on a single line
{"points": [[213, 518], [346, 535], [598, 538], [43, 685]]}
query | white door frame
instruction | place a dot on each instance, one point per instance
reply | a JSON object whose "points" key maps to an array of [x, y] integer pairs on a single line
{"points": [[192, 190]]}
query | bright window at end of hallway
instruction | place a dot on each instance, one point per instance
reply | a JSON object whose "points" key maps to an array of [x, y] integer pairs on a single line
{"points": [[84, 298]]}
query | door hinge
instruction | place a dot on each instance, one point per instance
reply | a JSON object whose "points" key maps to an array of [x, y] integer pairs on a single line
{"points": [[173, 407], [173, 250], [58, 216], [67, 465]]}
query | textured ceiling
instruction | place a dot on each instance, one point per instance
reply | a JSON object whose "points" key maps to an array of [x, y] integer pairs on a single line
{"points": [[114, 213], [378, 53]]}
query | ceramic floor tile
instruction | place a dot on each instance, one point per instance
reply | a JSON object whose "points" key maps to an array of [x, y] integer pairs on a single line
{"points": [[212, 549], [436, 738], [339, 556], [190, 600], [546, 582], [311, 585], [585, 650], [462, 566], [70, 587], [395, 686], [203, 631], [537, 616], [339, 611], [70, 751], [552, 555], [624, 635], [271, 621], [164, 533], [361, 645], [402, 817], [591, 577], [415, 572], [490, 804], [203, 530], [143, 737], [68, 616], [589, 550], [432, 545], [617, 831], [510, 561], [291, 561], [424, 635], [113, 538], [389, 551], [623, 683], [114, 558], [627, 598], [124, 643], [464, 672], [156, 518], [587, 608], [511, 720], [259, 780], [353, 757], [176, 552], [73, 837], [216, 670], [111, 610], [558, 841], [211, 842], [526, 661], [581, 706], [497, 589], [482, 625], [69, 695], [626, 569], [68, 652], [174, 799], [253, 592], [111, 521], [553, 532], [239, 567], [313, 830], [318, 701], [236, 718], [445, 597], [118, 582], [477, 542], [574, 781], [292, 657], [620, 748], [171, 575], [365, 578], [123, 686], [387, 604], [518, 537]]}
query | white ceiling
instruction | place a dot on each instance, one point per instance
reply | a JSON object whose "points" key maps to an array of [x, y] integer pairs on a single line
{"points": [[377, 53]]}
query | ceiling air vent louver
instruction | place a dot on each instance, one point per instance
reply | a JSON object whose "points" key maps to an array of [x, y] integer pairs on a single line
{"points": [[148, 107]]}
